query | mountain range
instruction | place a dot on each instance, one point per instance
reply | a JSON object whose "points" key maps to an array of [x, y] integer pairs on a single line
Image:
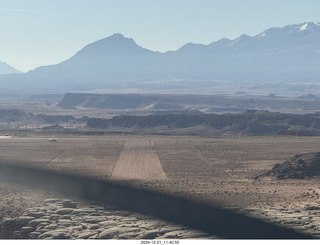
{"points": [[277, 59], [7, 69]]}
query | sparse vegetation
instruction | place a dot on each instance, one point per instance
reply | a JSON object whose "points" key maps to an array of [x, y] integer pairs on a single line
{"points": [[217, 165]]}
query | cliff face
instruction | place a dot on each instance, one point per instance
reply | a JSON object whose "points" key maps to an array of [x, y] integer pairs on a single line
{"points": [[20, 116], [114, 101], [190, 103], [248, 123], [302, 166], [7, 115], [251, 122]]}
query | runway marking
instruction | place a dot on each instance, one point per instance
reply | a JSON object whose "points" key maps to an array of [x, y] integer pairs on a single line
{"points": [[138, 160]]}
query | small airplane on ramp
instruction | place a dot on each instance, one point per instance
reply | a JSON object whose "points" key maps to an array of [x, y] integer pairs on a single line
{"points": [[52, 139]]}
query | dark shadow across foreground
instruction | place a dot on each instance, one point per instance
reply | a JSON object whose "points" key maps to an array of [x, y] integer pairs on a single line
{"points": [[210, 219]]}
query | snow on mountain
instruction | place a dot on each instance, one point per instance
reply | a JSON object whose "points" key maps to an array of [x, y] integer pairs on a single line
{"points": [[291, 29], [303, 27], [279, 54], [310, 26]]}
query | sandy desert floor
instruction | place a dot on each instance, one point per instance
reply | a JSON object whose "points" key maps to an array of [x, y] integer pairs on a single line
{"points": [[213, 170]]}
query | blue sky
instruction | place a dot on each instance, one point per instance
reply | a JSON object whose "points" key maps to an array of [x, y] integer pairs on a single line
{"points": [[44, 32]]}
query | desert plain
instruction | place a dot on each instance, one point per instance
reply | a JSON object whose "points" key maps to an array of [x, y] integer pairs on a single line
{"points": [[218, 171]]}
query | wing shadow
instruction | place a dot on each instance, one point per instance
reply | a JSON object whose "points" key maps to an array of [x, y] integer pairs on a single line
{"points": [[214, 220]]}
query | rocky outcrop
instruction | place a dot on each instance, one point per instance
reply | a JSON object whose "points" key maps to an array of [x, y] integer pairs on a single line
{"points": [[13, 115], [20, 117], [178, 122], [61, 219], [304, 219], [188, 103], [114, 101], [302, 166], [251, 122], [53, 118]]}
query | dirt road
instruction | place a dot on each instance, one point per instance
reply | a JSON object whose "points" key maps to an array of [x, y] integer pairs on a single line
{"points": [[138, 160]]}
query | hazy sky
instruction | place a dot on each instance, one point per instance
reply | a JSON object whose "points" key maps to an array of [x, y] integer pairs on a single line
{"points": [[44, 32]]}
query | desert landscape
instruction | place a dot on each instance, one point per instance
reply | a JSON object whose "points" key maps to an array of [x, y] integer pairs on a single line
{"points": [[120, 122], [215, 171], [157, 171]]}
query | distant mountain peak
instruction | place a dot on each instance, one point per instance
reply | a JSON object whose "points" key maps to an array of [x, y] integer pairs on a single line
{"points": [[313, 26], [280, 54], [7, 69], [292, 29], [307, 26], [221, 41], [303, 27], [117, 38], [114, 44], [191, 47], [117, 35]]}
